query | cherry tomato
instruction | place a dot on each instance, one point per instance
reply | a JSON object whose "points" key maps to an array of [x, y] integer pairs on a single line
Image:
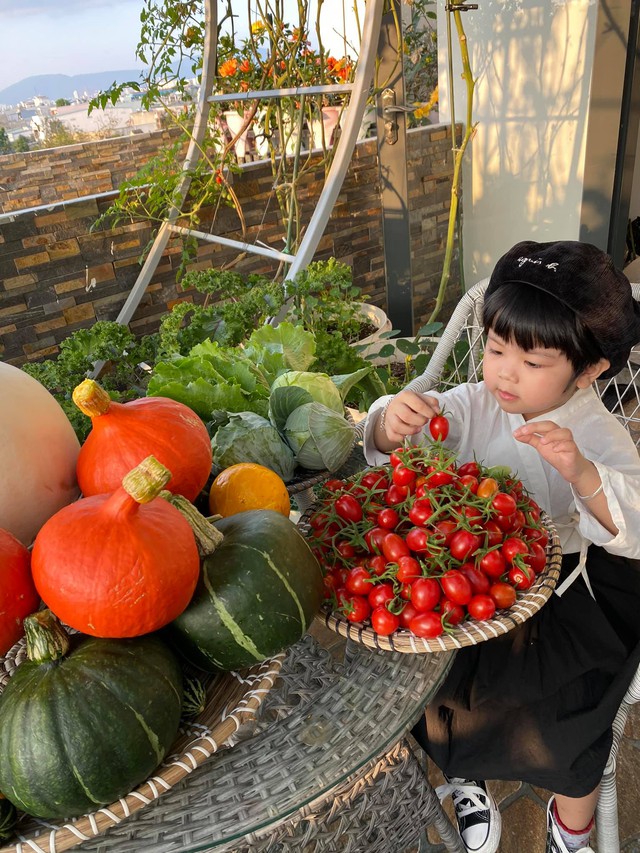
{"points": [[425, 593], [493, 564], [536, 559], [479, 581], [383, 621], [440, 478], [493, 534], [358, 581], [406, 614], [346, 550], [334, 485], [375, 480], [503, 503], [512, 547], [388, 518], [395, 458], [381, 593], [347, 507], [452, 614], [487, 487], [417, 540], [469, 482], [396, 494], [355, 607], [444, 530], [377, 565], [374, 538], [471, 469], [456, 587], [403, 476], [420, 512], [521, 577], [408, 569], [506, 523], [463, 544], [536, 534], [503, 594], [427, 625], [394, 547], [439, 427], [481, 607]]}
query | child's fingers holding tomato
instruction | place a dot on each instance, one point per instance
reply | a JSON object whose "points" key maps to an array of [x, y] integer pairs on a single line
{"points": [[407, 414]]}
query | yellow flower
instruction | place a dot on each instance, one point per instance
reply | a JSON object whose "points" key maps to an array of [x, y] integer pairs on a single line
{"points": [[423, 110], [258, 27]]}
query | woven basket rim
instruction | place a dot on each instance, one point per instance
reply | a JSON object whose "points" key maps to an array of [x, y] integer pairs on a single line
{"points": [[246, 691], [470, 632]]}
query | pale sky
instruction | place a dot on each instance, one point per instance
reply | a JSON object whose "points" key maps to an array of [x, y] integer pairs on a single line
{"points": [[75, 36]]}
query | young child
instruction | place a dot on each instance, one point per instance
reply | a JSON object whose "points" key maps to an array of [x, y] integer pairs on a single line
{"points": [[537, 704]]}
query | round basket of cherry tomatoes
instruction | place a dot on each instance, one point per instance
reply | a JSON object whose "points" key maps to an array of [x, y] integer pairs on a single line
{"points": [[425, 554]]}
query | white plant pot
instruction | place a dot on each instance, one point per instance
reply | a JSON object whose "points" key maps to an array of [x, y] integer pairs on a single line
{"points": [[373, 342]]}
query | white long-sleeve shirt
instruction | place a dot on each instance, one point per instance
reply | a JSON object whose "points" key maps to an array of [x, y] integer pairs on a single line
{"points": [[478, 428]]}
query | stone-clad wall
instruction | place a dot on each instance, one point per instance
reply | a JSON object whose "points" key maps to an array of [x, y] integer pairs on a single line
{"points": [[57, 276]]}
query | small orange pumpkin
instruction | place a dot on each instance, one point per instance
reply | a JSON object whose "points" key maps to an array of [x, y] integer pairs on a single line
{"points": [[123, 434], [118, 565]]}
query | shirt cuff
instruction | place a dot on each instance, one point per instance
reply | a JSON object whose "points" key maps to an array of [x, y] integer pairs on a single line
{"points": [[371, 452]]}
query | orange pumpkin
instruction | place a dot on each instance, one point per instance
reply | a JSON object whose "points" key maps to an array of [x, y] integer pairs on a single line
{"points": [[123, 434], [18, 596], [118, 565]]}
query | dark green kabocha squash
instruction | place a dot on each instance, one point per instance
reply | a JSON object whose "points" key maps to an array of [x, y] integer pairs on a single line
{"points": [[257, 594], [84, 720]]}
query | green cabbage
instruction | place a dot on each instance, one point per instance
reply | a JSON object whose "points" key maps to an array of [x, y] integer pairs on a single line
{"points": [[319, 437], [319, 385], [250, 438]]}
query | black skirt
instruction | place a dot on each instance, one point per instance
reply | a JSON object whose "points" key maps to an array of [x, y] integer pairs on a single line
{"points": [[537, 704]]}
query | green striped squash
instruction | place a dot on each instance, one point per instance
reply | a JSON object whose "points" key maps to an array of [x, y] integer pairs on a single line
{"points": [[257, 594], [83, 724]]}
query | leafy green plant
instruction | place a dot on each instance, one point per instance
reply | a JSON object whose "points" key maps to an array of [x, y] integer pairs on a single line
{"points": [[106, 341]]}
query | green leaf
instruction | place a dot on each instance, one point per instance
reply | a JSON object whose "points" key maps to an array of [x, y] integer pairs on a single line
{"points": [[285, 400], [345, 381], [408, 347]]}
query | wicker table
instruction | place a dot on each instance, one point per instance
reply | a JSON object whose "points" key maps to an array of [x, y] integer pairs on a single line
{"points": [[326, 768]]}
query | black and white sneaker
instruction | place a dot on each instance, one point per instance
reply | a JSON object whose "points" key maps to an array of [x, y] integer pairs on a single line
{"points": [[479, 821], [555, 841]]}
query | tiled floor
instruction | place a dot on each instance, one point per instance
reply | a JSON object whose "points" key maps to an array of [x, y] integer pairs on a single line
{"points": [[524, 808]]}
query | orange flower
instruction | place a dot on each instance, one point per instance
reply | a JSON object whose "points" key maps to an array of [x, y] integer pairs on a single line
{"points": [[245, 66], [228, 68]]}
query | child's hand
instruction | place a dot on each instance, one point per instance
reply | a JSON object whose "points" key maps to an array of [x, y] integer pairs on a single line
{"points": [[556, 445], [406, 414]]}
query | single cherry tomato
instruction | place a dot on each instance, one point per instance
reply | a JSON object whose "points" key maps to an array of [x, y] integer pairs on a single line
{"points": [[348, 508], [383, 621], [493, 534], [452, 614], [456, 587], [512, 547], [503, 503], [388, 518], [394, 547], [359, 581], [536, 559], [356, 608], [346, 550], [521, 577], [536, 534], [479, 581], [420, 512], [493, 564], [503, 594], [481, 607], [377, 565], [406, 614], [417, 540], [468, 482], [440, 478], [487, 487], [374, 538], [444, 530], [471, 469], [396, 494], [427, 625], [506, 523], [464, 544], [403, 476], [408, 569], [375, 480], [425, 593], [381, 593], [439, 427], [395, 458]]}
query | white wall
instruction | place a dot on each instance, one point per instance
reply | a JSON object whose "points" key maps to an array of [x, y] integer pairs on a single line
{"points": [[522, 177]]}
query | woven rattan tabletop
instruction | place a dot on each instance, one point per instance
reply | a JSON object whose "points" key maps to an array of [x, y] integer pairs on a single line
{"points": [[335, 706]]}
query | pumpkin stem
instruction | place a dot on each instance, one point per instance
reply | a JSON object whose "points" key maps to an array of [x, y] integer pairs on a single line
{"points": [[91, 398], [46, 638], [207, 536], [146, 481]]}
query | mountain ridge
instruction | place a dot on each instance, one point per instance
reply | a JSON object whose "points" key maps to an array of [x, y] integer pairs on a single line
{"points": [[56, 86]]}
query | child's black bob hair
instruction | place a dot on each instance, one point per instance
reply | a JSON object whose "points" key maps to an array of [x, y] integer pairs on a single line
{"points": [[530, 318]]}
